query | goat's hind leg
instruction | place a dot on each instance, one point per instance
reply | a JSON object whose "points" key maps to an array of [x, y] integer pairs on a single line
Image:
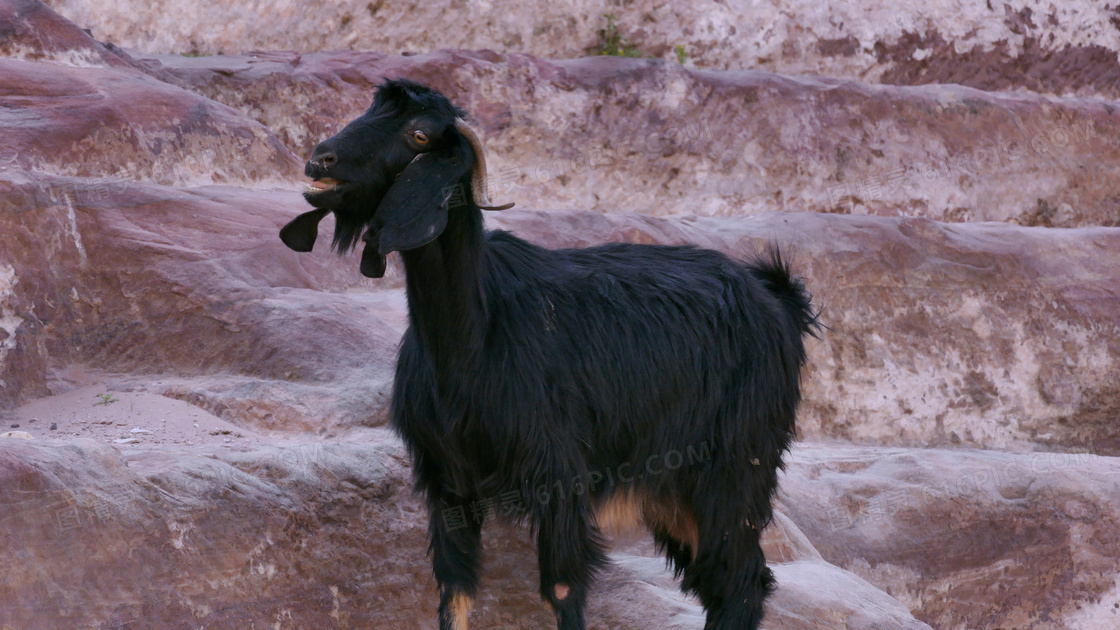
{"points": [[729, 574], [456, 548]]}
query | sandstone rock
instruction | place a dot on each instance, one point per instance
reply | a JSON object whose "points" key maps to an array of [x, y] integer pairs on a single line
{"points": [[967, 539], [124, 124], [138, 222], [166, 286], [132, 277], [1056, 47], [71, 106], [31, 31], [320, 535], [819, 595], [654, 138]]}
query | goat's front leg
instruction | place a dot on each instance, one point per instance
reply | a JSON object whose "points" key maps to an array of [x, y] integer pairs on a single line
{"points": [[570, 551], [456, 548]]}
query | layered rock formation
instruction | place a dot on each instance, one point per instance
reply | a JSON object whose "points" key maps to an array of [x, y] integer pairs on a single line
{"points": [[960, 427], [311, 535], [1067, 47], [650, 137]]}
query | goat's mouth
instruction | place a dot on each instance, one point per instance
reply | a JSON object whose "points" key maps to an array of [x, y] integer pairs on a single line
{"points": [[322, 185]]}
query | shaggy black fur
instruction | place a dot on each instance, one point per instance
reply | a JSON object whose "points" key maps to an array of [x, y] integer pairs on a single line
{"points": [[541, 384]]}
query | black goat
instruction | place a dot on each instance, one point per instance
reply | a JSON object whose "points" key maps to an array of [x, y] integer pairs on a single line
{"points": [[567, 387]]}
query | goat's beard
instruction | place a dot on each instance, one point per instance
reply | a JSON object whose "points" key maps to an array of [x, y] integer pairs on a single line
{"points": [[348, 228], [353, 213], [353, 223]]}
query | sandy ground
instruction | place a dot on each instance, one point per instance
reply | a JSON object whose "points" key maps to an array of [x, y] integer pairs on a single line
{"points": [[127, 419]]}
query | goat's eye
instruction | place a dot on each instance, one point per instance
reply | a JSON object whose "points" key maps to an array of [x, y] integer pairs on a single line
{"points": [[419, 137]]}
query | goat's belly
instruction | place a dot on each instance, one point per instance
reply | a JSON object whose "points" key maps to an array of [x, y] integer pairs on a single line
{"points": [[626, 511]]}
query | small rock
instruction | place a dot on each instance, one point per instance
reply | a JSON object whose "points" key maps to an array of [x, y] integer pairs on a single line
{"points": [[19, 435], [54, 426], [196, 425], [139, 430], [127, 441], [15, 426], [32, 420]]}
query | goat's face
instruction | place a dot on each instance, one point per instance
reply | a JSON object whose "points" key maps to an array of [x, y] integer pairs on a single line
{"points": [[392, 173]]}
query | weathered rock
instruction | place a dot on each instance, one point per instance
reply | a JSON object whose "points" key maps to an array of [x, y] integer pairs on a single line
{"points": [[329, 530], [70, 106], [816, 594], [968, 539], [319, 535], [936, 329], [225, 539], [118, 253], [1055, 47], [132, 277], [108, 122], [654, 138], [138, 278], [31, 31], [126, 276]]}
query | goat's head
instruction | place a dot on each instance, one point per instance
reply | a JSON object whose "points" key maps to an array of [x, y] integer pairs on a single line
{"points": [[390, 176]]}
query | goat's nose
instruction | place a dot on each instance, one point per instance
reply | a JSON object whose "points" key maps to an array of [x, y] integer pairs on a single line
{"points": [[324, 155]]}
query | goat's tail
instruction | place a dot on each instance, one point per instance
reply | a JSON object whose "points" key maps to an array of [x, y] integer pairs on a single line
{"points": [[775, 274]]}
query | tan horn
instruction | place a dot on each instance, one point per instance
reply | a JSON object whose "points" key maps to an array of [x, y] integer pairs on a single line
{"points": [[478, 174]]}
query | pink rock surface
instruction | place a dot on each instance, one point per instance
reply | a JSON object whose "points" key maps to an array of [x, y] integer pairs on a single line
{"points": [[968, 539], [72, 106], [305, 534], [128, 277], [1066, 47], [237, 475], [651, 137]]}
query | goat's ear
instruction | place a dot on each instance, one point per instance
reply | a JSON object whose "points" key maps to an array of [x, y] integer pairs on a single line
{"points": [[299, 234], [414, 210]]}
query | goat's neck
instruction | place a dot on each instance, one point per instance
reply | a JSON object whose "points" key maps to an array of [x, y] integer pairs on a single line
{"points": [[446, 301]]}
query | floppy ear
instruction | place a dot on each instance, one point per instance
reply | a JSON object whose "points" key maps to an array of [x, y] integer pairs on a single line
{"points": [[414, 210], [299, 234]]}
